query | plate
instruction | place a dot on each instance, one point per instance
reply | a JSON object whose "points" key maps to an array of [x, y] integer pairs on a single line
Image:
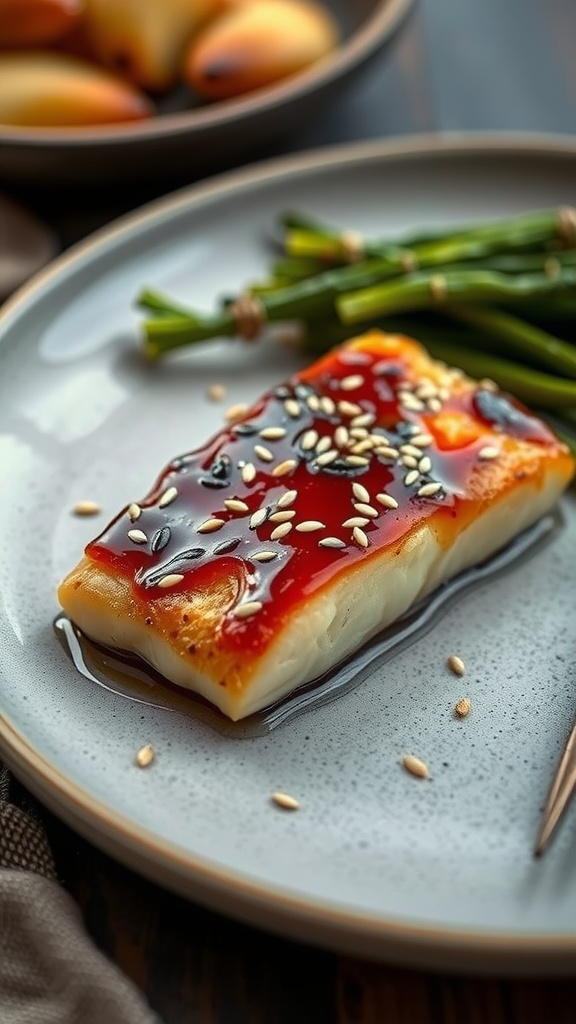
{"points": [[437, 873], [201, 138]]}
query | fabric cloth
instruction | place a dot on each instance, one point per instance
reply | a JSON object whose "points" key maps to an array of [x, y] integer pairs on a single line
{"points": [[50, 970]]}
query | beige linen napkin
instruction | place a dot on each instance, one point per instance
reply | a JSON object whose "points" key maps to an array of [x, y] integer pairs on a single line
{"points": [[50, 971]]}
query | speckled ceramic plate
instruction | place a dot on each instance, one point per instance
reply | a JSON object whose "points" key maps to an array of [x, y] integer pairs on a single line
{"points": [[437, 872]]}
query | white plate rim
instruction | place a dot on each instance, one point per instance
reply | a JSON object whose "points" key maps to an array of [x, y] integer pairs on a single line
{"points": [[312, 921]]}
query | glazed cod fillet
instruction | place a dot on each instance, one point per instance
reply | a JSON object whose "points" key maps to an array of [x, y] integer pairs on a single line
{"points": [[259, 561]]}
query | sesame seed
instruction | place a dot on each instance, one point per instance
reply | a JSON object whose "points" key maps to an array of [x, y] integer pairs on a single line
{"points": [[145, 756], [355, 521], [86, 508], [327, 406], [272, 433], [415, 766], [309, 525], [387, 452], [356, 460], [411, 403], [456, 665], [426, 390], [247, 609], [488, 452], [463, 707], [387, 500], [285, 801], [366, 419], [331, 542], [327, 457], [137, 536], [292, 407], [235, 412], [366, 510], [313, 403], [134, 512], [366, 445], [263, 453], [349, 408], [280, 531], [358, 432], [284, 467], [425, 464], [309, 440], [323, 445], [282, 516], [248, 472], [434, 405], [210, 526], [287, 499], [429, 490], [257, 518], [216, 392], [235, 505], [409, 461], [411, 477], [170, 580], [352, 382], [360, 492], [264, 556], [168, 497], [422, 440], [360, 537], [341, 436], [410, 449]]}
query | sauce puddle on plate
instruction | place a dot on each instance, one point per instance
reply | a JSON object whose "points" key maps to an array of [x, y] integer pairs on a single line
{"points": [[133, 678]]}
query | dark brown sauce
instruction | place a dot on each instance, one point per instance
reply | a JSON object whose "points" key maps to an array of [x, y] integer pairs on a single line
{"points": [[132, 678]]}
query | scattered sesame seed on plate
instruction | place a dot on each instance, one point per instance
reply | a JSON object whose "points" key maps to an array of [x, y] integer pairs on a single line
{"points": [[138, 536], [168, 497], [292, 407], [360, 492], [235, 505], [280, 531], [134, 512], [171, 580], [349, 408], [288, 498], [411, 477], [257, 518], [488, 452], [327, 406], [247, 609], [264, 555], [285, 801], [145, 756], [456, 665], [360, 537], [327, 457], [272, 433], [386, 500], [263, 453], [86, 508], [331, 542], [235, 412], [284, 467], [356, 460], [216, 392], [283, 515], [428, 490], [463, 707], [352, 382], [365, 419], [210, 525], [415, 766], [366, 510], [248, 472], [323, 445], [309, 440], [425, 465], [309, 525]]}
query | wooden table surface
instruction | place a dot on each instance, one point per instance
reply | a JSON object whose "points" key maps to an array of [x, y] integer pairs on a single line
{"points": [[458, 65]]}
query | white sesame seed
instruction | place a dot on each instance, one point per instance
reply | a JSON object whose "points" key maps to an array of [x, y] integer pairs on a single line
{"points": [[327, 406], [287, 499], [429, 490], [283, 516], [488, 452], [409, 461], [263, 453], [387, 500], [210, 525], [422, 440], [323, 445], [248, 472], [137, 536], [285, 801], [366, 510], [411, 403], [411, 477], [356, 460], [170, 580], [280, 531], [313, 403], [331, 542], [355, 521], [292, 407], [145, 756], [86, 508], [134, 512], [349, 408], [284, 467], [387, 452], [257, 518], [410, 449], [272, 433], [247, 609], [358, 432], [327, 457], [360, 537], [235, 412], [264, 556], [309, 525], [341, 437], [366, 445], [309, 440], [216, 392], [456, 665], [366, 419], [235, 505], [168, 497], [415, 766], [360, 492], [426, 390], [434, 405], [463, 707], [352, 382], [425, 465]]}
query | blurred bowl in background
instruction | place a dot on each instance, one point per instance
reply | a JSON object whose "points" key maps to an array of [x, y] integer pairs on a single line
{"points": [[200, 138]]}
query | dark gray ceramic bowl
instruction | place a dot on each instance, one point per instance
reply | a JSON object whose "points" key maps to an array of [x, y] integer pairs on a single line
{"points": [[200, 138]]}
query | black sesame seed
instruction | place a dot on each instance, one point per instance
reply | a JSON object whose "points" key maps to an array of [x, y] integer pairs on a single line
{"points": [[210, 481], [283, 392], [245, 429], [226, 545], [221, 467], [161, 538]]}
